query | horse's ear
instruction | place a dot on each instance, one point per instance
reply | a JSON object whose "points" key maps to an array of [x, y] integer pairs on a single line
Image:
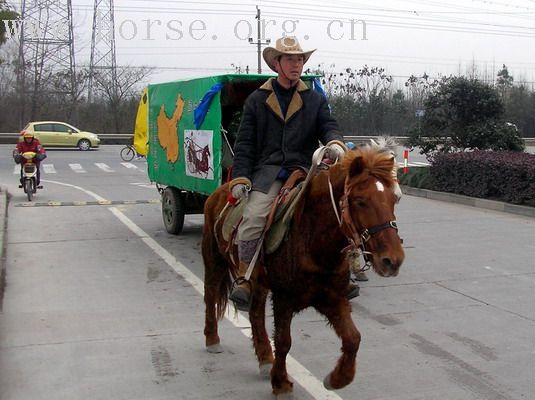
{"points": [[356, 167]]}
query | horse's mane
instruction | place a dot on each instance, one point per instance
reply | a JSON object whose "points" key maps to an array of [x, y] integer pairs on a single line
{"points": [[375, 160]]}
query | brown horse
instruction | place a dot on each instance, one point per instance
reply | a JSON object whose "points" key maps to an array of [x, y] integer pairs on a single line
{"points": [[310, 268]]}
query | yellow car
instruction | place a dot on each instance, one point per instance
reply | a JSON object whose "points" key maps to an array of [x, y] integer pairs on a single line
{"points": [[61, 134]]}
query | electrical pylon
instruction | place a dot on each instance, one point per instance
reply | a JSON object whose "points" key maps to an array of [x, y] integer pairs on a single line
{"points": [[46, 49], [103, 61]]}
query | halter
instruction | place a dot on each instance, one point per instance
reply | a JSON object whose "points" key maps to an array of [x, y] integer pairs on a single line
{"points": [[347, 225]]}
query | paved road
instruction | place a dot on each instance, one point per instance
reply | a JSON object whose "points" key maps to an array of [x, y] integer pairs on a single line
{"points": [[101, 303]]}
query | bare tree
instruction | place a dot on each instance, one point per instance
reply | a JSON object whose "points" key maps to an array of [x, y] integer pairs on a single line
{"points": [[123, 89]]}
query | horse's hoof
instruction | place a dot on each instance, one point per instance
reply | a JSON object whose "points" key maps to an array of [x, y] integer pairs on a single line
{"points": [[214, 348], [265, 370], [327, 383]]}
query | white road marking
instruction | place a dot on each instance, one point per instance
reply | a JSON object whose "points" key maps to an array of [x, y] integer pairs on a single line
{"points": [[104, 167], [298, 372], [78, 168], [16, 169], [49, 168], [144, 184], [129, 165]]}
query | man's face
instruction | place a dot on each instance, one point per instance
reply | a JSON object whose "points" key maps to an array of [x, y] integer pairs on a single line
{"points": [[28, 140], [290, 66]]}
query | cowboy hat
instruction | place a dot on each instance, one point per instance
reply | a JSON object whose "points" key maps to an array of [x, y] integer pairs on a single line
{"points": [[285, 45]]}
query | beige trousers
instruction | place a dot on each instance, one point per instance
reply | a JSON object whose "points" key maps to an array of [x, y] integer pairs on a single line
{"points": [[256, 212]]}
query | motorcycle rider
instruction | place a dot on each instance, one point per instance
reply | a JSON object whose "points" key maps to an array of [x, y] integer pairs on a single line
{"points": [[30, 144]]}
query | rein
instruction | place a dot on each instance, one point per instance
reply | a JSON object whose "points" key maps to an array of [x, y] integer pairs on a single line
{"points": [[356, 240]]}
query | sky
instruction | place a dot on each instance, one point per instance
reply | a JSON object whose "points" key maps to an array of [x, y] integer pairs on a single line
{"points": [[405, 37]]}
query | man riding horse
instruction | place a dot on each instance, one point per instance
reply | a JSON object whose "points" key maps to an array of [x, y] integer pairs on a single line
{"points": [[281, 125]]}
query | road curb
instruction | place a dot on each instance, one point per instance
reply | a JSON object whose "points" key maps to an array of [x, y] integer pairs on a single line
{"points": [[470, 201], [3, 245]]}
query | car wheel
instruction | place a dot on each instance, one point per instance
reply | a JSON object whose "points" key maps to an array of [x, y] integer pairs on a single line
{"points": [[173, 210], [84, 144]]}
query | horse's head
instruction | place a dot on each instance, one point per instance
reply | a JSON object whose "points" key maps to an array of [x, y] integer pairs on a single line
{"points": [[368, 208]]}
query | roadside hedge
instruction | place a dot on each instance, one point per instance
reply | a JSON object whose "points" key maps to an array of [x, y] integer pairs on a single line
{"points": [[497, 175]]}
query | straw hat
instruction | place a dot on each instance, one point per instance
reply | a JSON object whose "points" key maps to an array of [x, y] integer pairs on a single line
{"points": [[285, 45]]}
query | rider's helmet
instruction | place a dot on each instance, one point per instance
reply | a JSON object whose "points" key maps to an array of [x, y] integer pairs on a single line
{"points": [[27, 135]]}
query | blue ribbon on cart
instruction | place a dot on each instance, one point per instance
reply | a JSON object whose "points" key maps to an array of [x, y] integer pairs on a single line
{"points": [[202, 109]]}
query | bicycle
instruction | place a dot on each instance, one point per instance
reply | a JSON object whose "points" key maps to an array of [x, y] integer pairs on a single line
{"points": [[128, 153]]}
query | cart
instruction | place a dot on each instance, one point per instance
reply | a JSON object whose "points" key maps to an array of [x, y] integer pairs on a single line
{"points": [[190, 126]]}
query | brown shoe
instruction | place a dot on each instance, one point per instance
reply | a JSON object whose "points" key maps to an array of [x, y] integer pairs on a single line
{"points": [[353, 291]]}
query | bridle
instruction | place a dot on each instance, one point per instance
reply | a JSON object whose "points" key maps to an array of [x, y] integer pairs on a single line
{"points": [[357, 241]]}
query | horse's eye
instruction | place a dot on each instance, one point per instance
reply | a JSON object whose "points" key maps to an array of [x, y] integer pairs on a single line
{"points": [[359, 202]]}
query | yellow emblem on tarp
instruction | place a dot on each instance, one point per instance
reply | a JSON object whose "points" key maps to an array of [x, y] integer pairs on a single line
{"points": [[168, 128]]}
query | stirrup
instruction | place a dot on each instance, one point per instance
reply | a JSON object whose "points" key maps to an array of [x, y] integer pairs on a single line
{"points": [[239, 302]]}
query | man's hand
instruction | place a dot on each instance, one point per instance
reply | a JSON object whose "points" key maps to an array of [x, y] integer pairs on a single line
{"points": [[335, 152], [240, 191]]}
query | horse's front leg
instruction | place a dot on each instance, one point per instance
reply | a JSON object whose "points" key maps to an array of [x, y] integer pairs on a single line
{"points": [[257, 317], [339, 315], [282, 313]]}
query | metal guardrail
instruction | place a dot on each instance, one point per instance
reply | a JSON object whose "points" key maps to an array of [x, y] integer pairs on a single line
{"points": [[125, 138], [105, 138]]}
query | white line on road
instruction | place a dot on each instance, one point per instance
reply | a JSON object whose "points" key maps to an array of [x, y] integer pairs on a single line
{"points": [[77, 168], [16, 169], [88, 192], [129, 165], [104, 167], [49, 168], [297, 371]]}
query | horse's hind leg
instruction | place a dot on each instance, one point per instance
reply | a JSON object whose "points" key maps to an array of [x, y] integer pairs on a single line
{"points": [[210, 320], [340, 318], [257, 317], [283, 341], [216, 284]]}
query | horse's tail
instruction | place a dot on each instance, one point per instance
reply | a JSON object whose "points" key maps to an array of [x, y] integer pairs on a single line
{"points": [[217, 268]]}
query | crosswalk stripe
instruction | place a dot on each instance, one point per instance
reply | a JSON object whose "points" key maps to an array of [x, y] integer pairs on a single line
{"points": [[129, 165], [49, 168], [104, 167], [77, 168]]}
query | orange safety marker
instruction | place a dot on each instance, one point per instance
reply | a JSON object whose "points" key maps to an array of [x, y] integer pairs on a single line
{"points": [[405, 161]]}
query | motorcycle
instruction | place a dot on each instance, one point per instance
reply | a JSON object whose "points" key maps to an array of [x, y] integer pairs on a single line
{"points": [[29, 174]]}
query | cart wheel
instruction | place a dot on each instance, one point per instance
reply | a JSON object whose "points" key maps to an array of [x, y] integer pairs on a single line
{"points": [[173, 210]]}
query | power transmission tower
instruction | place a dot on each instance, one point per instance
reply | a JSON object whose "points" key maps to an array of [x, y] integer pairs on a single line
{"points": [[46, 51], [103, 61]]}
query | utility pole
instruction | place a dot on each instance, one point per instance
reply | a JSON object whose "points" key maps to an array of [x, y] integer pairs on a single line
{"points": [[259, 42], [103, 60]]}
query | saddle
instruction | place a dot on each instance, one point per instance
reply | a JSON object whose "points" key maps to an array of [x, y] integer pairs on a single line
{"points": [[279, 217]]}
